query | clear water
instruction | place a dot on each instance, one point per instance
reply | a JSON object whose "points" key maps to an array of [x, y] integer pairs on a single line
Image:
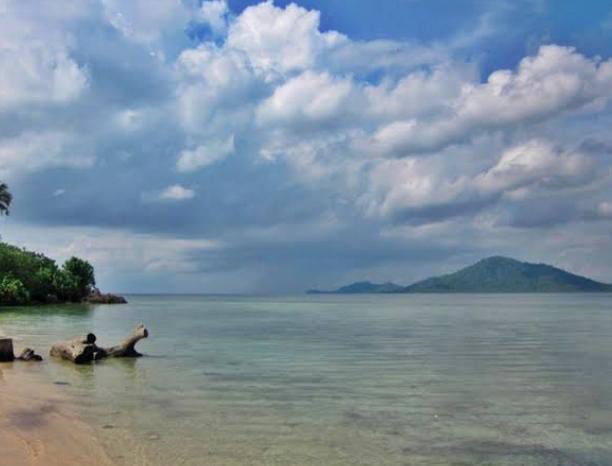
{"points": [[344, 380]]}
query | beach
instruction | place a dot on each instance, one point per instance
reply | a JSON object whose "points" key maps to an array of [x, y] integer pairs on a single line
{"points": [[39, 425]]}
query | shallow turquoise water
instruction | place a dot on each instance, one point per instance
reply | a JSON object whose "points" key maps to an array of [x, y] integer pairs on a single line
{"points": [[344, 380]]}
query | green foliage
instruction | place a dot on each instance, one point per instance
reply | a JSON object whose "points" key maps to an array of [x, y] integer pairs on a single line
{"points": [[13, 292], [41, 279], [66, 287], [83, 272]]}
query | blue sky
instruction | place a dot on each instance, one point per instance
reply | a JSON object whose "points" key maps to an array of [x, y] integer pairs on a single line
{"points": [[186, 146]]}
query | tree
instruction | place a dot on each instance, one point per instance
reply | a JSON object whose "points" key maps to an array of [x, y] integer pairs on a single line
{"points": [[83, 272], [12, 291], [5, 199], [66, 287]]}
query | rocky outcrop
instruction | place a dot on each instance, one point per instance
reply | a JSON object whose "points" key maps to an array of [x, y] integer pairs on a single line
{"points": [[97, 297]]}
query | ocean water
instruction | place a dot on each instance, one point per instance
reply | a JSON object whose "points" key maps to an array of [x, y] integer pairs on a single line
{"points": [[343, 380]]}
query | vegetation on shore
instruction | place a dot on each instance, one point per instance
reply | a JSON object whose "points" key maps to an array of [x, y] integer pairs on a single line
{"points": [[27, 277]]}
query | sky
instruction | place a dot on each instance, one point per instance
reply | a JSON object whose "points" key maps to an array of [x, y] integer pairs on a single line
{"points": [[238, 146]]}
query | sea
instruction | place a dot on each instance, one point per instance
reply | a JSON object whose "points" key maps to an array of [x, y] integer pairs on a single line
{"points": [[450, 379]]}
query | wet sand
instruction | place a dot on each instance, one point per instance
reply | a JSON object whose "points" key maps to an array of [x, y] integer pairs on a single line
{"points": [[38, 424]]}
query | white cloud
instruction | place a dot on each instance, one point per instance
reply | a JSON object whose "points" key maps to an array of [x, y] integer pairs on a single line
{"points": [[280, 40], [214, 13], [130, 119], [307, 97], [36, 66], [205, 155], [537, 161], [147, 22], [429, 190], [176, 192], [604, 209], [32, 151], [556, 81], [418, 94], [216, 83]]}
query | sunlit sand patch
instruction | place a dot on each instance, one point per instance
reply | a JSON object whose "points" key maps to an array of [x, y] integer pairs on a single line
{"points": [[39, 426]]}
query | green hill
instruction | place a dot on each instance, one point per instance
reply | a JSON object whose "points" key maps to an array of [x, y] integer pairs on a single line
{"points": [[504, 275], [491, 275]]}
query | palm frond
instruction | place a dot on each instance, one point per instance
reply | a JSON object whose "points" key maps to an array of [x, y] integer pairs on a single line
{"points": [[5, 199]]}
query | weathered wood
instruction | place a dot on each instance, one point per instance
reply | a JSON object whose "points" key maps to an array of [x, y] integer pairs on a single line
{"points": [[126, 348], [6, 350], [79, 350], [28, 354], [84, 349]]}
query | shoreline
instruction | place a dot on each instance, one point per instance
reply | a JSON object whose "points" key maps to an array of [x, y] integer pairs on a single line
{"points": [[40, 425]]}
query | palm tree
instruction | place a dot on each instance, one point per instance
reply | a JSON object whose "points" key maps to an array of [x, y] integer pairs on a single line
{"points": [[5, 199]]}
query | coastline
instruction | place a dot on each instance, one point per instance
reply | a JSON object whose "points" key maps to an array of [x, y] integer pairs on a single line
{"points": [[39, 424]]}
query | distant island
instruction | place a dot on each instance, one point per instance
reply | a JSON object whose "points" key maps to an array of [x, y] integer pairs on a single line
{"points": [[491, 275]]}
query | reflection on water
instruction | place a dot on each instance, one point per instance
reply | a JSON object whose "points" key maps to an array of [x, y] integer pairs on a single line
{"points": [[467, 379]]}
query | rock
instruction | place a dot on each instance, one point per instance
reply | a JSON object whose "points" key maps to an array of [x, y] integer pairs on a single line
{"points": [[97, 297], [28, 354]]}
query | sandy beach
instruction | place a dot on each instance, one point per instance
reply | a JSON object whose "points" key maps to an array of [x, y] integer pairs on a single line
{"points": [[38, 424]]}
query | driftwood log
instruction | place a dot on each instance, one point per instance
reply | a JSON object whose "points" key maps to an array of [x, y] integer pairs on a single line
{"points": [[28, 354], [82, 350], [6, 350]]}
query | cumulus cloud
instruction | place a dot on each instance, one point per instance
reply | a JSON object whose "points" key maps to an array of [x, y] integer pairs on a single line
{"points": [[280, 40], [205, 155], [537, 161], [36, 65], [308, 97], [554, 82], [424, 191], [215, 13], [335, 128]]}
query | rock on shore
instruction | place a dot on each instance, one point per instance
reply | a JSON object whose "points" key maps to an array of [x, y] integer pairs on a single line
{"points": [[97, 297]]}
